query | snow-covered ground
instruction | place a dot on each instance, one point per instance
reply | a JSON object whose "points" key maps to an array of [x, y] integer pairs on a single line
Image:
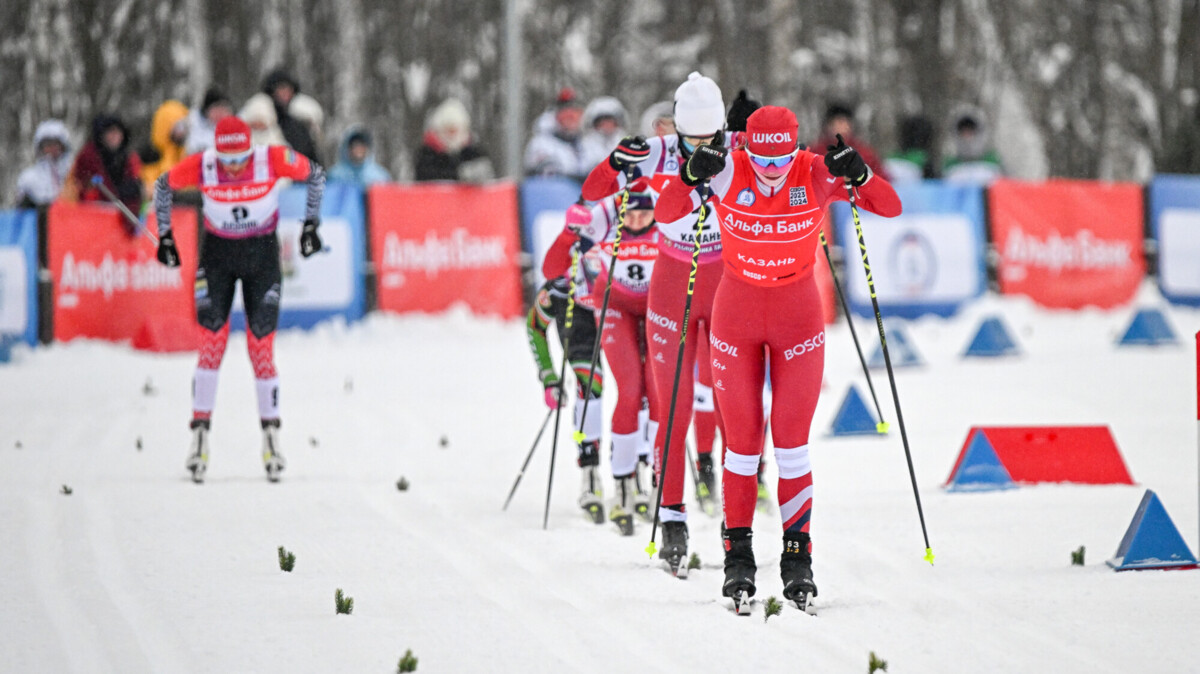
{"points": [[139, 570]]}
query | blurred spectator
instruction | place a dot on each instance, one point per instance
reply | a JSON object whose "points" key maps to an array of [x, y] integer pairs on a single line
{"points": [[735, 120], [658, 119], [605, 120], [202, 122], [106, 155], [839, 119], [39, 184], [972, 160], [280, 114], [914, 160], [168, 137], [356, 160], [555, 148], [448, 152]]}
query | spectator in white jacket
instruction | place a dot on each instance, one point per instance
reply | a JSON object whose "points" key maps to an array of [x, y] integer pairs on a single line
{"points": [[605, 120], [556, 148], [39, 184], [202, 121]]}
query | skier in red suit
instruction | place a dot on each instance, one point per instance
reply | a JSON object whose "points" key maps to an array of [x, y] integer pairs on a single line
{"points": [[770, 200]]}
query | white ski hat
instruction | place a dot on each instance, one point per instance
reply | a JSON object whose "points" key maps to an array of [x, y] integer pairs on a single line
{"points": [[699, 110]]}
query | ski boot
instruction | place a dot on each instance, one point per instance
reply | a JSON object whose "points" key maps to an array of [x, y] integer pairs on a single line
{"points": [[739, 568], [763, 502], [795, 566], [621, 511], [706, 487], [674, 546], [197, 462], [273, 461], [591, 493], [643, 495]]}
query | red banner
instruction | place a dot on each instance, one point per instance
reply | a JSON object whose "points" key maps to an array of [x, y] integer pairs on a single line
{"points": [[1068, 243], [110, 286], [437, 244]]}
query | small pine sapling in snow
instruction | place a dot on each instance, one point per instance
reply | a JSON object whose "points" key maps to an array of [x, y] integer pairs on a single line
{"points": [[773, 607], [876, 664], [694, 562], [402, 483], [287, 560], [408, 663], [1077, 556], [67, 490], [342, 603]]}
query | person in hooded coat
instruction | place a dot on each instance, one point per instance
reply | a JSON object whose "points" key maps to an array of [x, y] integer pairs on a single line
{"points": [[448, 152], [280, 114], [168, 138], [107, 155], [356, 161], [39, 184]]}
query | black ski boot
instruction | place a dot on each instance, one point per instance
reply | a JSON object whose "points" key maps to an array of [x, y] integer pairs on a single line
{"points": [[795, 566], [674, 546], [706, 490], [591, 492], [197, 462], [739, 568]]}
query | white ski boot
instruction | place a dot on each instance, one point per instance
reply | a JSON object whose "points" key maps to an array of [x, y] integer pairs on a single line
{"points": [[197, 462], [273, 461], [644, 493], [591, 494], [620, 512]]}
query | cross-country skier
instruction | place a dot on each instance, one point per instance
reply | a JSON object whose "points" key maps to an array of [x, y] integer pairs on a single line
{"points": [[551, 306], [624, 333], [240, 187], [770, 199], [699, 120]]}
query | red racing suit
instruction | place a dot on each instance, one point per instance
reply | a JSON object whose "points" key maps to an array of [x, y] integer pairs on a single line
{"points": [[768, 307]]}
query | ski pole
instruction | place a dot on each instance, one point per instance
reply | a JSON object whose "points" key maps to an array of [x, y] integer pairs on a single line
{"points": [[612, 265], [862, 244], [687, 311], [882, 426], [562, 375], [98, 181], [542, 430]]}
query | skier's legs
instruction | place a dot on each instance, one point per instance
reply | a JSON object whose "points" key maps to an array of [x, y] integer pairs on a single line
{"points": [[705, 421], [261, 285], [620, 345], [214, 288]]}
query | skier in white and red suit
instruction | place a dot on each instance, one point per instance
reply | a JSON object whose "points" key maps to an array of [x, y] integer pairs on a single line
{"points": [[699, 120], [624, 332], [240, 187], [770, 200]]}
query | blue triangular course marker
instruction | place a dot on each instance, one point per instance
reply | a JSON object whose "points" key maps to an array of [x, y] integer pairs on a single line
{"points": [[1148, 328], [900, 350], [854, 418], [980, 468], [992, 339], [1152, 541]]}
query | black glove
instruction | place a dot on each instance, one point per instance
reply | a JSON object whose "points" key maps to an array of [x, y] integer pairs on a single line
{"points": [[844, 161], [630, 151], [740, 111], [309, 241], [168, 254], [706, 162]]}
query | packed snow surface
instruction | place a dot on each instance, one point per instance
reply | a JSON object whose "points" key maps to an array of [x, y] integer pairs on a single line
{"points": [[139, 570]]}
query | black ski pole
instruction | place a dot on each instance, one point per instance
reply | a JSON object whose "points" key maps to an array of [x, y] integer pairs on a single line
{"points": [[562, 374], [687, 312], [133, 219], [612, 265], [541, 431], [887, 361], [882, 426]]}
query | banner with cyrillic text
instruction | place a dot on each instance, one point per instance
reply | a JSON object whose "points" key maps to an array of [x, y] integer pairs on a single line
{"points": [[436, 245]]}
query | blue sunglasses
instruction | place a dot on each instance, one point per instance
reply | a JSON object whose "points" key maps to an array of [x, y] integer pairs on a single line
{"points": [[767, 162]]}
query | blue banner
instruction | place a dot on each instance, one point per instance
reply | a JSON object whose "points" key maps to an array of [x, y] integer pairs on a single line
{"points": [[544, 203], [1175, 221], [928, 260], [329, 284], [18, 276]]}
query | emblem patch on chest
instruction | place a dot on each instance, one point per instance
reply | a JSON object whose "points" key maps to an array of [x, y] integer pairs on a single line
{"points": [[797, 196], [746, 197]]}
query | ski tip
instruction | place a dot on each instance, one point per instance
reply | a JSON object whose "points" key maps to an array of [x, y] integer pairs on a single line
{"points": [[929, 555], [651, 549], [882, 428], [579, 436]]}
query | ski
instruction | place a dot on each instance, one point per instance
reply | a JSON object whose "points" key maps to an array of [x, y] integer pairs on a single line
{"points": [[198, 465], [742, 602], [800, 594], [197, 462], [622, 519], [594, 511], [676, 566], [804, 603]]}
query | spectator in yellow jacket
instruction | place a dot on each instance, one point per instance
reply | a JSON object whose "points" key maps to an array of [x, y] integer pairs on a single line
{"points": [[168, 137]]}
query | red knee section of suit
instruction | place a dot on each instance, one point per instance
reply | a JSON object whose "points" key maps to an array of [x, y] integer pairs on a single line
{"points": [[262, 355], [625, 353], [212, 347]]}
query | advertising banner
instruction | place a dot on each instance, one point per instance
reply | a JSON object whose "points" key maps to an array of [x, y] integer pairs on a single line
{"points": [[928, 260], [18, 276], [439, 244], [110, 286], [544, 203], [330, 283], [1068, 243], [1175, 217]]}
